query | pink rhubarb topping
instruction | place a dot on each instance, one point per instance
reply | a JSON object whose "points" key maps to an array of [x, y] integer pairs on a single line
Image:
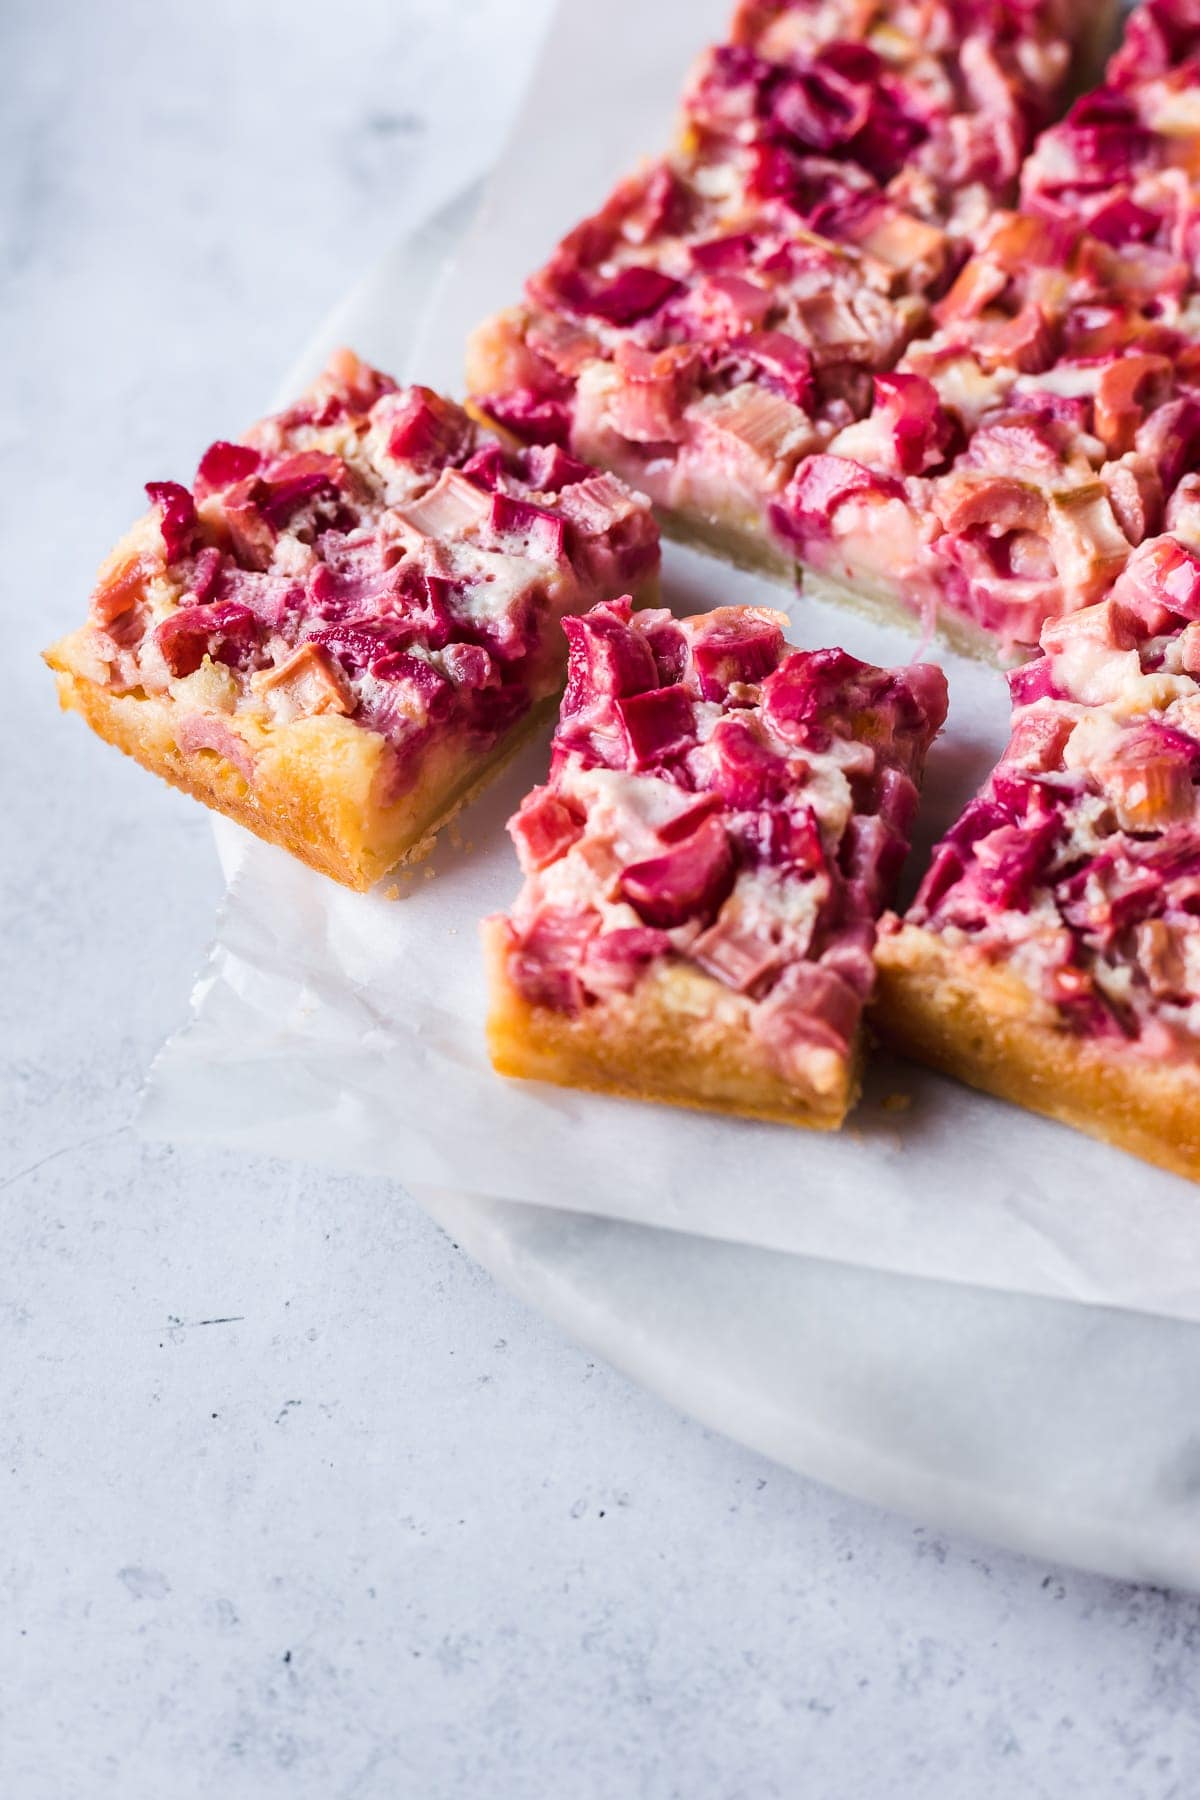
{"points": [[372, 553], [1078, 866]]}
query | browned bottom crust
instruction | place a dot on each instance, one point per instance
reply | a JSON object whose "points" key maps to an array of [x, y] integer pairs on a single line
{"points": [[676, 1039], [316, 784], [951, 1008]]}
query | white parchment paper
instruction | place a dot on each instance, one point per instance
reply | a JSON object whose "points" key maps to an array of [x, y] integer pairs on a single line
{"points": [[349, 1029]]}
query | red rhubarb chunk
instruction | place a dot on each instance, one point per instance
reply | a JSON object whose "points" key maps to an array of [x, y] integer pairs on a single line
{"points": [[222, 464], [632, 295], [226, 631], [419, 425], [548, 467], [784, 363], [293, 481], [689, 881], [544, 828], [531, 416], [737, 954], [921, 430], [607, 658], [365, 643], [736, 647], [613, 960], [788, 838], [818, 488], [544, 968], [797, 696], [746, 772], [657, 725], [544, 532], [176, 517]]}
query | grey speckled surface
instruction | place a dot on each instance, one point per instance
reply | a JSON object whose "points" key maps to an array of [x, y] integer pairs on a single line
{"points": [[294, 1501]]}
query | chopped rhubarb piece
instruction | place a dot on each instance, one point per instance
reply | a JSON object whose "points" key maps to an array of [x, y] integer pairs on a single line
{"points": [[544, 828], [631, 295], [785, 363], [543, 531], [177, 517], [1149, 779], [737, 954], [921, 430], [224, 464], [420, 424], [607, 657], [612, 963], [122, 584], [361, 615], [1170, 438], [226, 632], [1124, 394], [723, 877], [736, 647], [295, 480], [688, 881], [549, 468], [657, 724], [820, 486], [310, 682], [546, 963], [747, 771], [531, 416], [451, 508]]}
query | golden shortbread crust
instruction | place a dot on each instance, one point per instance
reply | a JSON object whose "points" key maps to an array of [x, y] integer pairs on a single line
{"points": [[674, 1038], [317, 782], [949, 1007]]}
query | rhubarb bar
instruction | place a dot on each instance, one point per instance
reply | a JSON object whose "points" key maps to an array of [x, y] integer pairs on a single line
{"points": [[339, 631], [724, 819], [1052, 955], [720, 319]]}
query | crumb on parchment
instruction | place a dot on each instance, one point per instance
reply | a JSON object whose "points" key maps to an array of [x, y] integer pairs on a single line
{"points": [[392, 892]]}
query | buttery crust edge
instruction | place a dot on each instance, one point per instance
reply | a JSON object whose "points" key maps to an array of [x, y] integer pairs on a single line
{"points": [[315, 786], [949, 1007], [664, 1041]]}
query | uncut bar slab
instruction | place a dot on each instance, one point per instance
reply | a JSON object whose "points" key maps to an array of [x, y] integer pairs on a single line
{"points": [[720, 319]]}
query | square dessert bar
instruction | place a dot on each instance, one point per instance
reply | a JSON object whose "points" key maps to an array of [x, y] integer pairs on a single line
{"points": [[724, 820], [720, 320], [337, 634], [1052, 955]]}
